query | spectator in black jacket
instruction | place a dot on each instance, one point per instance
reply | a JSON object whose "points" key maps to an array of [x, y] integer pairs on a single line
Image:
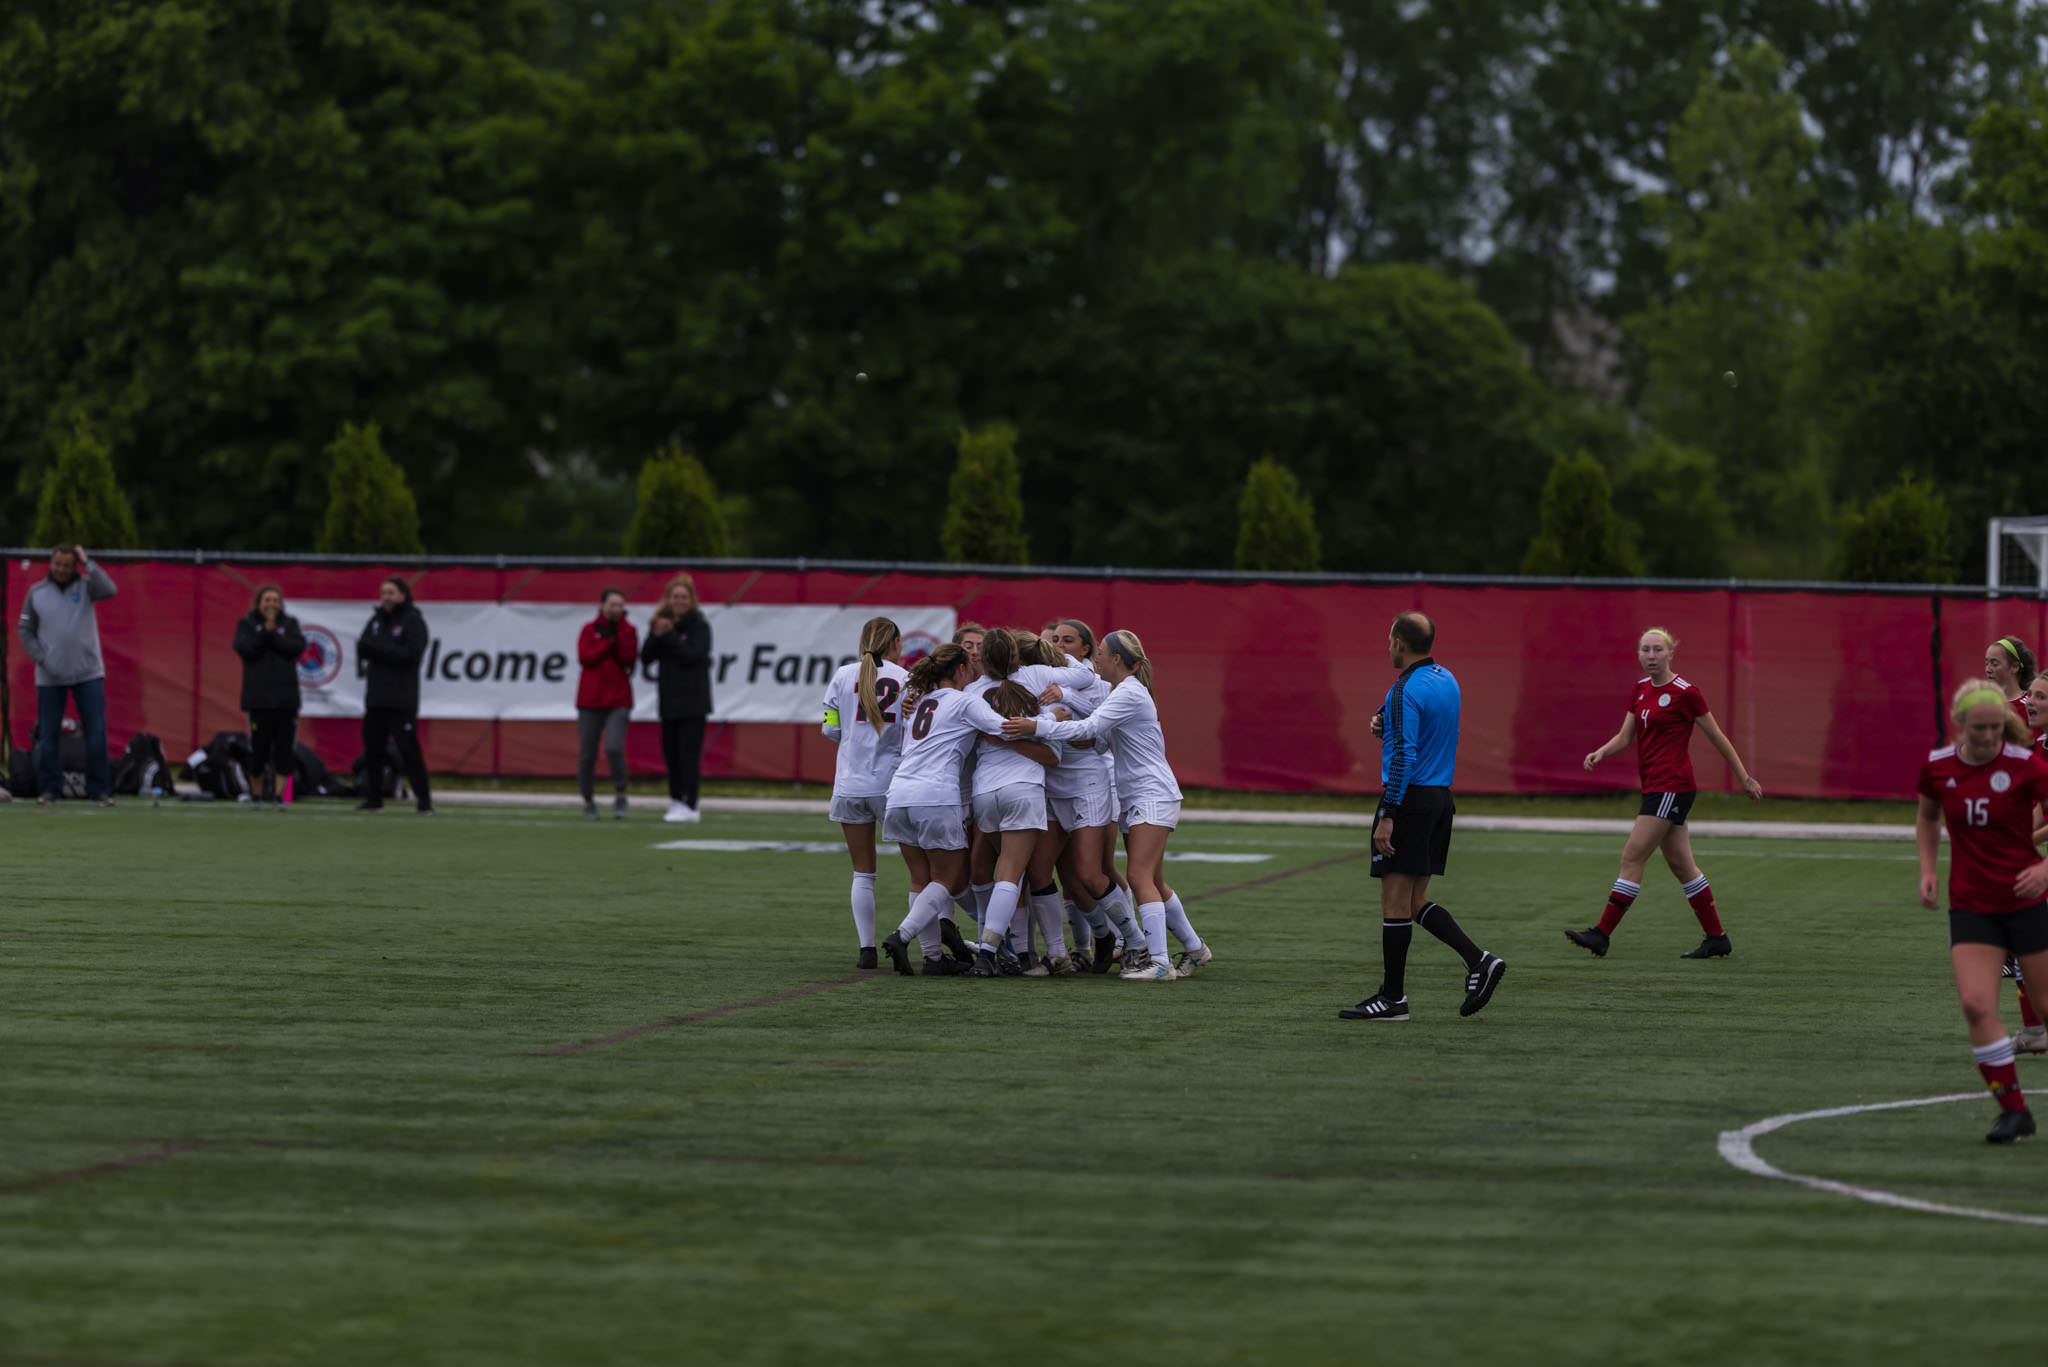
{"points": [[392, 646], [679, 646], [270, 643]]}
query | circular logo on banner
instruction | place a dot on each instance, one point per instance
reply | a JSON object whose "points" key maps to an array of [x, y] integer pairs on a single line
{"points": [[321, 664], [1663, 700], [916, 645], [2001, 781]]}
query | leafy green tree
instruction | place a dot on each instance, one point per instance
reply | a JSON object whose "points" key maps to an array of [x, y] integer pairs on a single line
{"points": [[370, 511], [81, 499], [1902, 536], [1742, 223], [1276, 523], [984, 506], [1581, 537], [677, 515], [1673, 510]]}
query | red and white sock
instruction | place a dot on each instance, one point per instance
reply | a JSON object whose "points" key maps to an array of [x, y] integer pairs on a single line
{"points": [[1994, 1061], [1618, 902], [1702, 899]]}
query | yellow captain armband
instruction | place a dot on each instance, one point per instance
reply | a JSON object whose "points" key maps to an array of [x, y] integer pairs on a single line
{"points": [[831, 716]]}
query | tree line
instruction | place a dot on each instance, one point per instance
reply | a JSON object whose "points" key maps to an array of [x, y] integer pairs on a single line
{"points": [[1673, 288]]}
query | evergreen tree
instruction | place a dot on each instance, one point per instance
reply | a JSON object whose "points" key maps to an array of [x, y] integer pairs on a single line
{"points": [[370, 511], [81, 501], [1276, 525], [677, 516], [984, 502], [1902, 536], [1581, 537]]}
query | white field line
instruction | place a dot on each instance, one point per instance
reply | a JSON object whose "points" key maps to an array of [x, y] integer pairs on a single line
{"points": [[1738, 1148]]}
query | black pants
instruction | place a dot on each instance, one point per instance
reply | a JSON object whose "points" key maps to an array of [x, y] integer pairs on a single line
{"points": [[682, 751], [272, 734], [390, 723]]}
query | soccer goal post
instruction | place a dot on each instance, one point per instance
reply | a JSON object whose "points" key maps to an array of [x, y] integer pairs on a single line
{"points": [[2016, 553]]}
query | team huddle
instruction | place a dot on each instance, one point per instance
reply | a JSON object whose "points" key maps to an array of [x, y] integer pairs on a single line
{"points": [[998, 763]]}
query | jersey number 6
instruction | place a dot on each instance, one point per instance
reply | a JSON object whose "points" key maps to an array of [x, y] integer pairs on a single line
{"points": [[921, 723]]}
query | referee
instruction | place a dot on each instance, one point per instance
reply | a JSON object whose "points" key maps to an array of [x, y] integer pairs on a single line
{"points": [[1411, 835]]}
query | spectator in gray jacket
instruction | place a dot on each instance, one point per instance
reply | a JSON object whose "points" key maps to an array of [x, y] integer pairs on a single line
{"points": [[60, 630]]}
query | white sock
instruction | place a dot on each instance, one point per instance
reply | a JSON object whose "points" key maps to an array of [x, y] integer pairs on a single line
{"points": [[965, 900], [864, 909], [1177, 922], [1117, 908], [929, 941], [981, 892], [1077, 923], [1002, 909], [1046, 908], [923, 912], [1152, 916], [1995, 1054], [1098, 922]]}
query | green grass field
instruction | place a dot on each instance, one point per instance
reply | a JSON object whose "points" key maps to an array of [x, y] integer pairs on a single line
{"points": [[276, 1092]]}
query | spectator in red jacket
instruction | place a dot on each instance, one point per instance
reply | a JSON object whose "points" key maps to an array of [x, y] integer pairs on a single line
{"points": [[608, 648]]}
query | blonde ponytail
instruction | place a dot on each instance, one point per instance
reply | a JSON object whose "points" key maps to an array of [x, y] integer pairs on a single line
{"points": [[1128, 649]]}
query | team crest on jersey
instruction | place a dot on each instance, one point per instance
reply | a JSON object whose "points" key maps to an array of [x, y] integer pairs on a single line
{"points": [[2001, 781], [1951, 783], [1663, 700]]}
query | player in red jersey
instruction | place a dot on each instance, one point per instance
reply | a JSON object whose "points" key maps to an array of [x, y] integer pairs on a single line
{"points": [[1659, 723], [1985, 788], [2010, 667]]}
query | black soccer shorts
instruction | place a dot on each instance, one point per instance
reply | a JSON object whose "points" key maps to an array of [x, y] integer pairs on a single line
{"points": [[1422, 834]]}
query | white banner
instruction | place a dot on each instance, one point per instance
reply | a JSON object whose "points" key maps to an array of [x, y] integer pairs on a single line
{"points": [[517, 661]]}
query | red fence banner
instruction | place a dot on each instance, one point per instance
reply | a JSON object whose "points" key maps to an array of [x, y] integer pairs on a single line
{"points": [[1261, 685]]}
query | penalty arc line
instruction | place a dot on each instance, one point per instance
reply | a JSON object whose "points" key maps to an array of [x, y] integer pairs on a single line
{"points": [[1738, 1148]]}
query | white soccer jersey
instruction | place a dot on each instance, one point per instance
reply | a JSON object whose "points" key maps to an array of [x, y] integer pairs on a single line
{"points": [[997, 765], [1130, 720], [867, 761], [936, 736], [1083, 769]]}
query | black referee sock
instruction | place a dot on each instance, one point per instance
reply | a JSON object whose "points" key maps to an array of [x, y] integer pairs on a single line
{"points": [[1394, 938], [1444, 926]]}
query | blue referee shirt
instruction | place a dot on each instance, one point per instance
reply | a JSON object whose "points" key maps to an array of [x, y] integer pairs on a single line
{"points": [[1419, 731]]}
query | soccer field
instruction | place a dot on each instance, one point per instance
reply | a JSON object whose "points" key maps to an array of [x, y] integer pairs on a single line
{"points": [[292, 1090]]}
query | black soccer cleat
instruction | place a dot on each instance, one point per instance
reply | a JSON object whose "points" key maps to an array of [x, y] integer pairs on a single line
{"points": [[1105, 953], [949, 936], [984, 966], [2011, 1125], [1007, 962], [898, 952], [867, 958], [1481, 981], [1378, 1007], [1592, 938], [1082, 962], [1713, 947], [945, 966]]}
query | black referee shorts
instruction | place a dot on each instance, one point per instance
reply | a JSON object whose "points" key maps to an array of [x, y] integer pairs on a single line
{"points": [[1422, 834]]}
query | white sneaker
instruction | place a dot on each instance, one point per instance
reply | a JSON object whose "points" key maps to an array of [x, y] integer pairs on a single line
{"points": [[676, 813], [1185, 965], [689, 815], [1150, 973], [2032, 1039], [1038, 970], [1061, 965]]}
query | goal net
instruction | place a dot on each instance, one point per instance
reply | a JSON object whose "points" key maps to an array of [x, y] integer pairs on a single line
{"points": [[2018, 553]]}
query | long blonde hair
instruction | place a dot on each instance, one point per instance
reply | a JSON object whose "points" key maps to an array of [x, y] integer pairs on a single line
{"points": [[1978, 693], [878, 639], [687, 582], [1126, 646]]}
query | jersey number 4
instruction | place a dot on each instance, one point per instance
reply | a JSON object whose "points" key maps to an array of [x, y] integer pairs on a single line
{"points": [[921, 721]]}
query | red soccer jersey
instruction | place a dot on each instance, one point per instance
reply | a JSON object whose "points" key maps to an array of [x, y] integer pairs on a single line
{"points": [[1664, 719], [1989, 809]]}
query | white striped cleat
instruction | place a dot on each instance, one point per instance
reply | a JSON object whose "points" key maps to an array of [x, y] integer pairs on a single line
{"points": [[1188, 961], [1150, 973]]}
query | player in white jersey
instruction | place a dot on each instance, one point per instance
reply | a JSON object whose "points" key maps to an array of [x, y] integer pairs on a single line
{"points": [[1081, 799], [1009, 801], [940, 723], [861, 719], [1151, 797]]}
